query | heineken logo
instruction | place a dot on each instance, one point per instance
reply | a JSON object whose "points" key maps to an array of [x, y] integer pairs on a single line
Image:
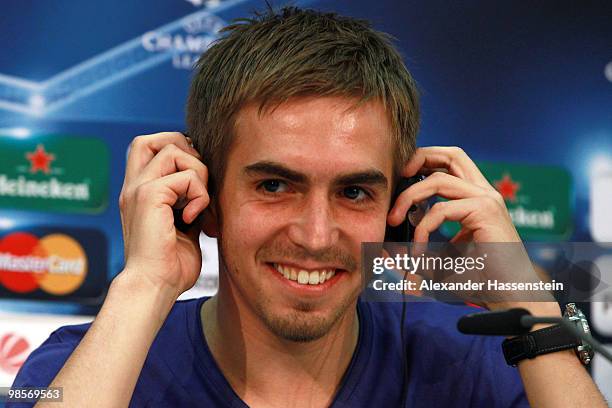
{"points": [[40, 160], [51, 189], [538, 199], [523, 217], [507, 188], [54, 172]]}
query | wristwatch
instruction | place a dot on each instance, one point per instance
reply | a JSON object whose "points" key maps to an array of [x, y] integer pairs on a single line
{"points": [[550, 339]]}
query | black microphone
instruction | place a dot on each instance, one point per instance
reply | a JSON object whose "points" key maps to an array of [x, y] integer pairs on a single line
{"points": [[500, 323]]}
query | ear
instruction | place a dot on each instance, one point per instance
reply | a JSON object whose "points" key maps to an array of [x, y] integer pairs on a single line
{"points": [[209, 221]]}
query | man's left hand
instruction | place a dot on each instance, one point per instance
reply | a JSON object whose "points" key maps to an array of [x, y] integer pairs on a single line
{"points": [[472, 201]]}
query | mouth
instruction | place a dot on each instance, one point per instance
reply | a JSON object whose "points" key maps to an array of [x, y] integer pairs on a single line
{"points": [[303, 276], [307, 279]]}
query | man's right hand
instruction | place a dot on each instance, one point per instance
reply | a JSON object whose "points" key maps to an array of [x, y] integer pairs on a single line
{"points": [[163, 172]]}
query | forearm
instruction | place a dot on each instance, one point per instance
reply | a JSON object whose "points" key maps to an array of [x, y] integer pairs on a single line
{"points": [[557, 379], [103, 370]]}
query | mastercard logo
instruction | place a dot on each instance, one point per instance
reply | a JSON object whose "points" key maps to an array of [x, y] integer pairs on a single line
{"points": [[55, 263]]}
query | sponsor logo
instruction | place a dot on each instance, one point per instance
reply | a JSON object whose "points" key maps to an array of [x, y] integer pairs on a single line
{"points": [[56, 263], [538, 199], [51, 189], [51, 264], [40, 160], [507, 188], [523, 217], [21, 333], [14, 350], [59, 173]]}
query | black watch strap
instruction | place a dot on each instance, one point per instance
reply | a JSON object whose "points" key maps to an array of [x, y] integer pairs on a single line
{"points": [[543, 341]]}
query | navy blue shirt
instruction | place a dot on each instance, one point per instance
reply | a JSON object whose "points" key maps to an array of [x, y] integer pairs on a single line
{"points": [[446, 368]]}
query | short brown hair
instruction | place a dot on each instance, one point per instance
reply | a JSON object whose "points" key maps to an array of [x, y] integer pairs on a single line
{"points": [[292, 52]]}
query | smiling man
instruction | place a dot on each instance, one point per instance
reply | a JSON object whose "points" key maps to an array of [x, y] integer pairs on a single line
{"points": [[302, 123], [304, 197]]}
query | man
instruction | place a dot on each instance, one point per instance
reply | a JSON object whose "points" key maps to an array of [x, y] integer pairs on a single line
{"points": [[302, 123]]}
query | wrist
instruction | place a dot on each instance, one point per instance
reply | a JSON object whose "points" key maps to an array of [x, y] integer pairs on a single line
{"points": [[553, 338], [137, 279], [156, 300]]}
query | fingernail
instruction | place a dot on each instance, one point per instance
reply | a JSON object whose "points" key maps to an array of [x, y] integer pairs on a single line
{"points": [[193, 149]]}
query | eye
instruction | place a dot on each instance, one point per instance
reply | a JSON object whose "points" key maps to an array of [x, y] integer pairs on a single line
{"points": [[355, 193], [273, 186]]}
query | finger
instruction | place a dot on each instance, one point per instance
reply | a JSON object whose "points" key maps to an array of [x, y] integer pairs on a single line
{"points": [[169, 189], [193, 231], [171, 159], [144, 148], [437, 184], [452, 158], [464, 235], [457, 210]]}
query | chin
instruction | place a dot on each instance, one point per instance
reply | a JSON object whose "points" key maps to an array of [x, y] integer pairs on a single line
{"points": [[303, 321]]}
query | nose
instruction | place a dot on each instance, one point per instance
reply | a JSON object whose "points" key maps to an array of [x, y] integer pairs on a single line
{"points": [[314, 227]]}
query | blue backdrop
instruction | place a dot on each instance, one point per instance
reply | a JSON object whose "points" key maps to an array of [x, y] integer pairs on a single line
{"points": [[517, 82]]}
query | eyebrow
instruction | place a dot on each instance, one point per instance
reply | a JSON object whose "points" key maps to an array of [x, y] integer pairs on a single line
{"points": [[372, 177]]}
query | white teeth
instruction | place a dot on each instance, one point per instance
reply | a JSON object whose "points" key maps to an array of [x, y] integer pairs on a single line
{"points": [[313, 278], [304, 277]]}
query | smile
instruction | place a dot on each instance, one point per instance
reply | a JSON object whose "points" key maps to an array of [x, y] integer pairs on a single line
{"points": [[304, 277]]}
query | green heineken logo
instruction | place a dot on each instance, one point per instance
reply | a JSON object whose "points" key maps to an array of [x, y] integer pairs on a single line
{"points": [[538, 199], [56, 173]]}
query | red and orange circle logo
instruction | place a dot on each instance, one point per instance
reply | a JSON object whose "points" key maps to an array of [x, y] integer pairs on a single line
{"points": [[56, 263]]}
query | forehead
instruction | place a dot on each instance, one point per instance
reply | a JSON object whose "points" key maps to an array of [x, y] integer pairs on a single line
{"points": [[316, 135]]}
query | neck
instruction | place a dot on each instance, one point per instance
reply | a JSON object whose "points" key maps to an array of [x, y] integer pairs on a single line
{"points": [[265, 370]]}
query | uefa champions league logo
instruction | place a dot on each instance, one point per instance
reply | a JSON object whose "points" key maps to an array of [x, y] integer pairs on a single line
{"points": [[205, 3], [118, 63]]}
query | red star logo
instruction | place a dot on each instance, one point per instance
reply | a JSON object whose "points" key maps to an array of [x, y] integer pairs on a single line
{"points": [[507, 188], [40, 160]]}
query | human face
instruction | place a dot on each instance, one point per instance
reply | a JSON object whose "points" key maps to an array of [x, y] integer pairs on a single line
{"points": [[304, 185]]}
